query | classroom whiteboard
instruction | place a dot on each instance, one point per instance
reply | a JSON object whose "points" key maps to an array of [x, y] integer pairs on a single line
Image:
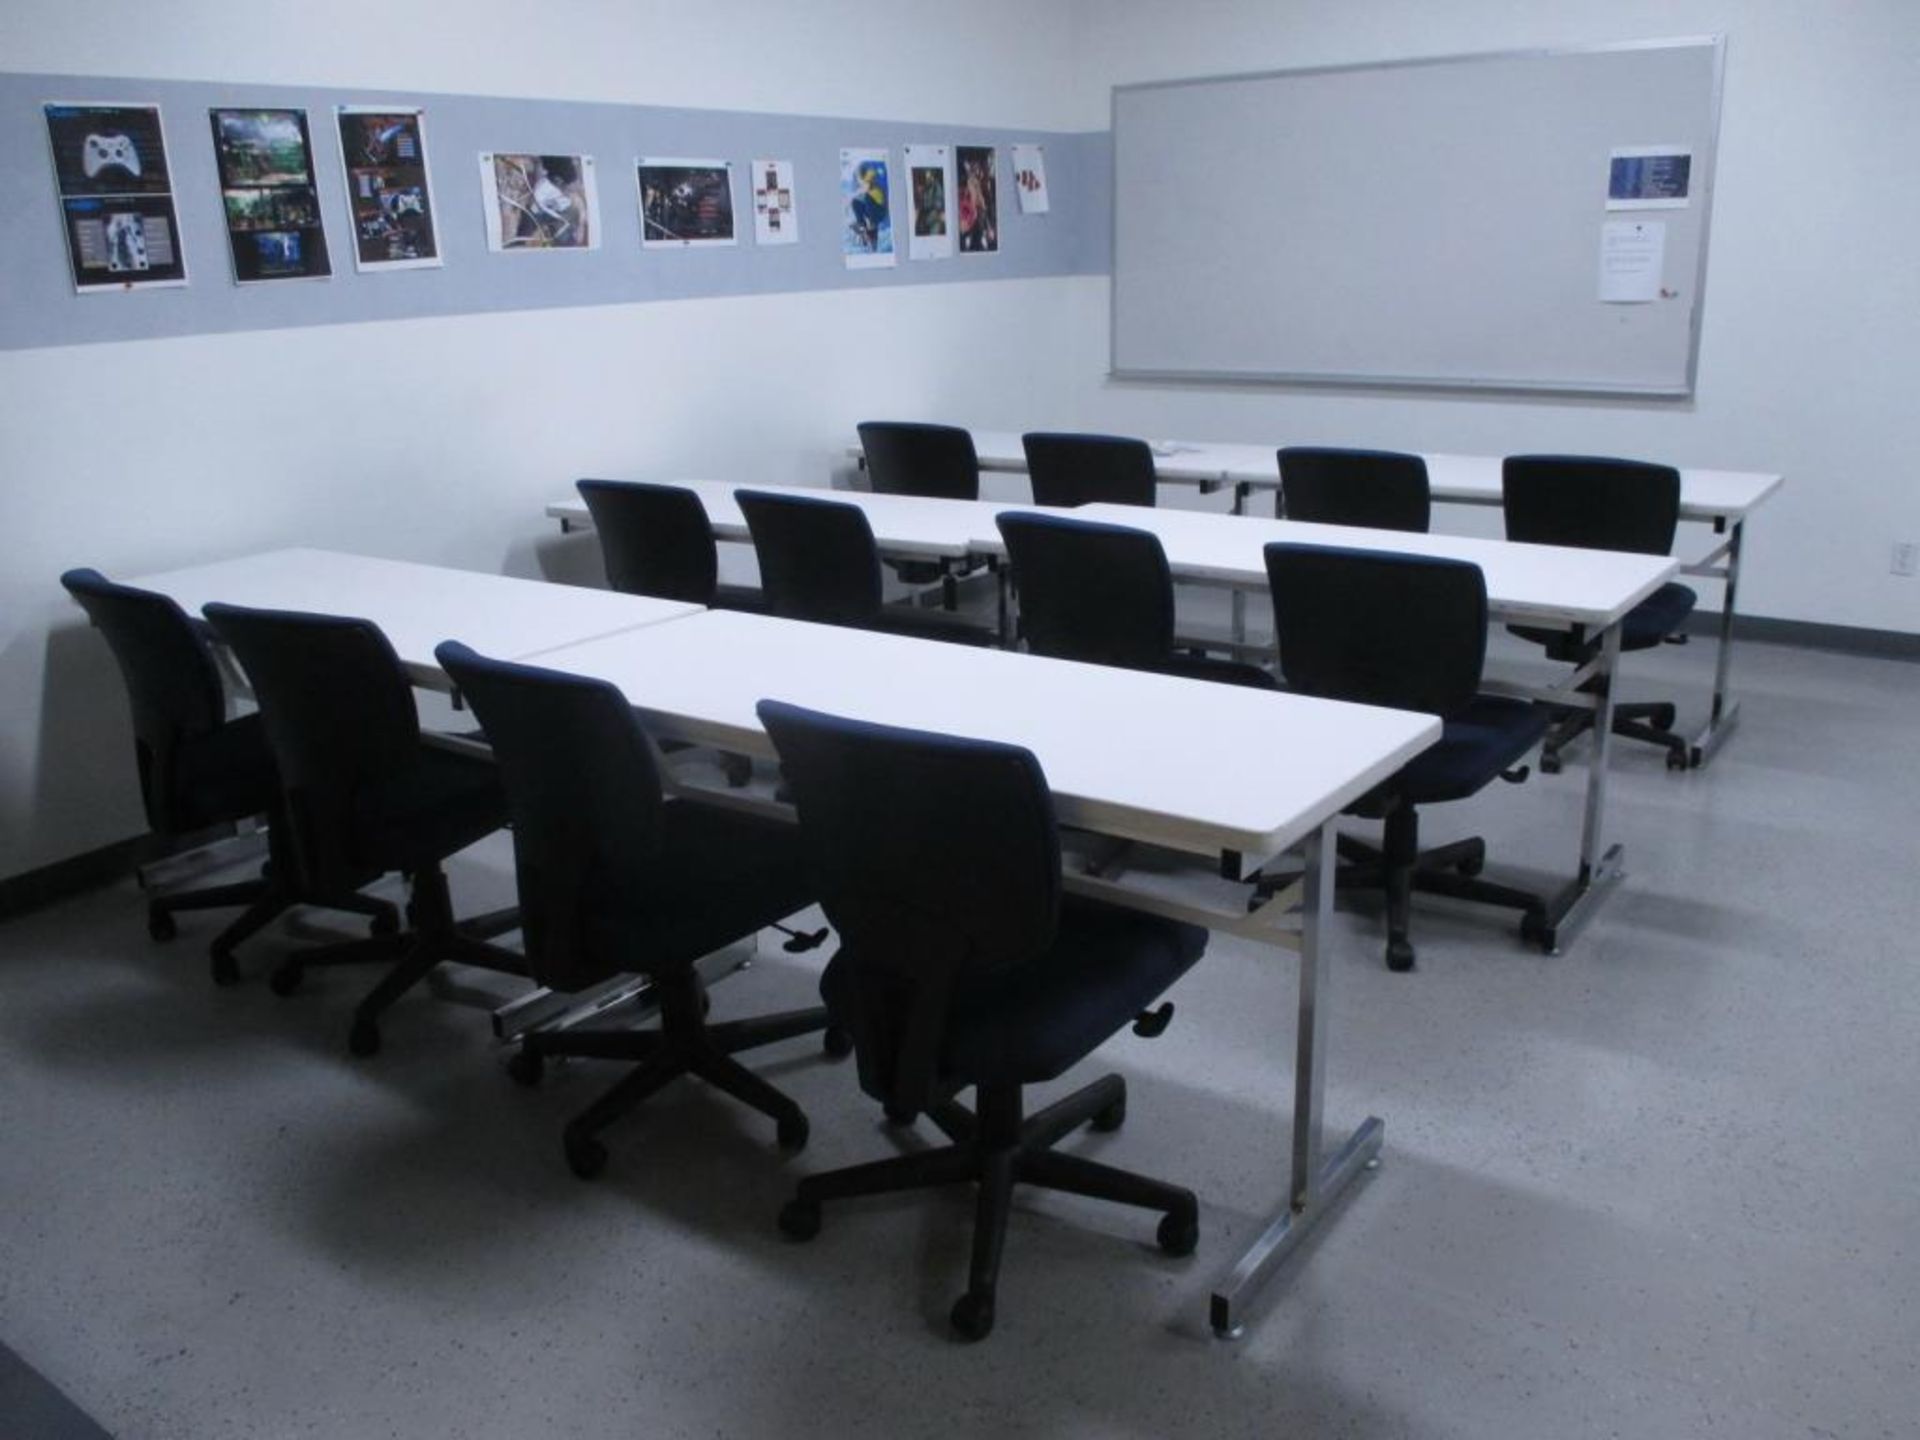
{"points": [[1422, 223]]}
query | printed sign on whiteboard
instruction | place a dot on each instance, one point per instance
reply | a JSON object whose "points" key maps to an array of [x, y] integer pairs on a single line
{"points": [[1632, 258], [1649, 177]]}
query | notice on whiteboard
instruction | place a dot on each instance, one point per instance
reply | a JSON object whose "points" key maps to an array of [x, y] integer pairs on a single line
{"points": [[1649, 177], [1633, 257]]}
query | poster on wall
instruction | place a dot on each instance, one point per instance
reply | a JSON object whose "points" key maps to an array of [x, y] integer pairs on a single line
{"points": [[1030, 178], [384, 152], [978, 199], [267, 195], [116, 196], [1648, 177], [774, 219], [930, 192], [685, 203], [866, 231], [539, 202]]}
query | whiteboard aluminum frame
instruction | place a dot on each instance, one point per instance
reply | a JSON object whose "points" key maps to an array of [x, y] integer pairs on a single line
{"points": [[1716, 42]]}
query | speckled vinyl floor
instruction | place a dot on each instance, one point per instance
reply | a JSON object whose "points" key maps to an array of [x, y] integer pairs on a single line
{"points": [[1666, 1184]]}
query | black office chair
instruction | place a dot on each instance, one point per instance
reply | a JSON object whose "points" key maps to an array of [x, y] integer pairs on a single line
{"points": [[1103, 594], [1068, 469], [656, 540], [364, 795], [906, 457], [615, 879], [1409, 632], [1596, 503], [197, 768], [818, 562], [961, 964], [1378, 489]]}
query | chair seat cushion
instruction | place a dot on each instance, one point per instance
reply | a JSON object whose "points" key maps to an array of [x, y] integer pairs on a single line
{"points": [[719, 876], [441, 804], [226, 774], [1033, 1022], [1474, 746], [1647, 624]]}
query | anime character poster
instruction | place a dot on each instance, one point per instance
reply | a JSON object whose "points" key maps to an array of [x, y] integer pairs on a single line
{"points": [[384, 153], [685, 203], [930, 195], [775, 221], [978, 199], [1030, 178], [866, 234], [116, 196], [539, 202], [267, 195]]}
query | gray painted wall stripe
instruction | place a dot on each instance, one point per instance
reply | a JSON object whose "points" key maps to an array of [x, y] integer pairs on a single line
{"points": [[41, 308]]}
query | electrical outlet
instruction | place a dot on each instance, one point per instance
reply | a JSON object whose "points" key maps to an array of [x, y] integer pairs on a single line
{"points": [[1905, 553]]}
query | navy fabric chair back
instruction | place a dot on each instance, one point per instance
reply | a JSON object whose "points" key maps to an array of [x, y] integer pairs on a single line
{"points": [[1591, 502], [910, 458], [1090, 591], [172, 682], [339, 716], [584, 798], [817, 557], [655, 539], [1071, 469], [936, 859], [1379, 628], [1379, 489]]}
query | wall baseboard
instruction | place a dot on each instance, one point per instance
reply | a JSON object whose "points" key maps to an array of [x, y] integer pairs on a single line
{"points": [[1812, 635], [50, 884]]}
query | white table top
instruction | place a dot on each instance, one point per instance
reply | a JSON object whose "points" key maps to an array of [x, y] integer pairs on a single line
{"points": [[902, 524], [1464, 479], [1192, 765], [1541, 584], [417, 606]]}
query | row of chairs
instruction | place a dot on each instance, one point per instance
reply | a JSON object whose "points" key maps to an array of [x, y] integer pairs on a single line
{"points": [[961, 963]]}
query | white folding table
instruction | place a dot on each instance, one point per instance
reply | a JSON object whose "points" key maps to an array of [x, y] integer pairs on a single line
{"points": [[417, 606], [1542, 585], [1101, 735]]}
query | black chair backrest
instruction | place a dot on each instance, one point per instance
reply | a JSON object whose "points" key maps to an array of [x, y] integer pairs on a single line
{"points": [[817, 557], [583, 794], [1380, 489], [339, 717], [911, 458], [1088, 469], [937, 860], [1090, 591], [1591, 501], [655, 539], [1377, 627], [172, 681]]}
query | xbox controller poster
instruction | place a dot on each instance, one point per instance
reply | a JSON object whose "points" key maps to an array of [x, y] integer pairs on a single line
{"points": [[384, 153], [116, 196]]}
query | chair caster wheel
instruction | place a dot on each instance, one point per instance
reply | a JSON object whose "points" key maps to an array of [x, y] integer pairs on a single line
{"points": [[792, 1133], [972, 1315], [738, 770], [1549, 764], [1179, 1231], [286, 979], [384, 923], [1677, 759], [586, 1157], [1110, 1118], [1399, 956], [364, 1038], [1535, 930], [526, 1067], [226, 970], [836, 1042], [800, 1219], [1472, 863], [160, 924], [1696, 757]]}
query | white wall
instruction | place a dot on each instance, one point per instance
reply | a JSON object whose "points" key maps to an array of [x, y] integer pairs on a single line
{"points": [[441, 439], [1810, 347]]}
